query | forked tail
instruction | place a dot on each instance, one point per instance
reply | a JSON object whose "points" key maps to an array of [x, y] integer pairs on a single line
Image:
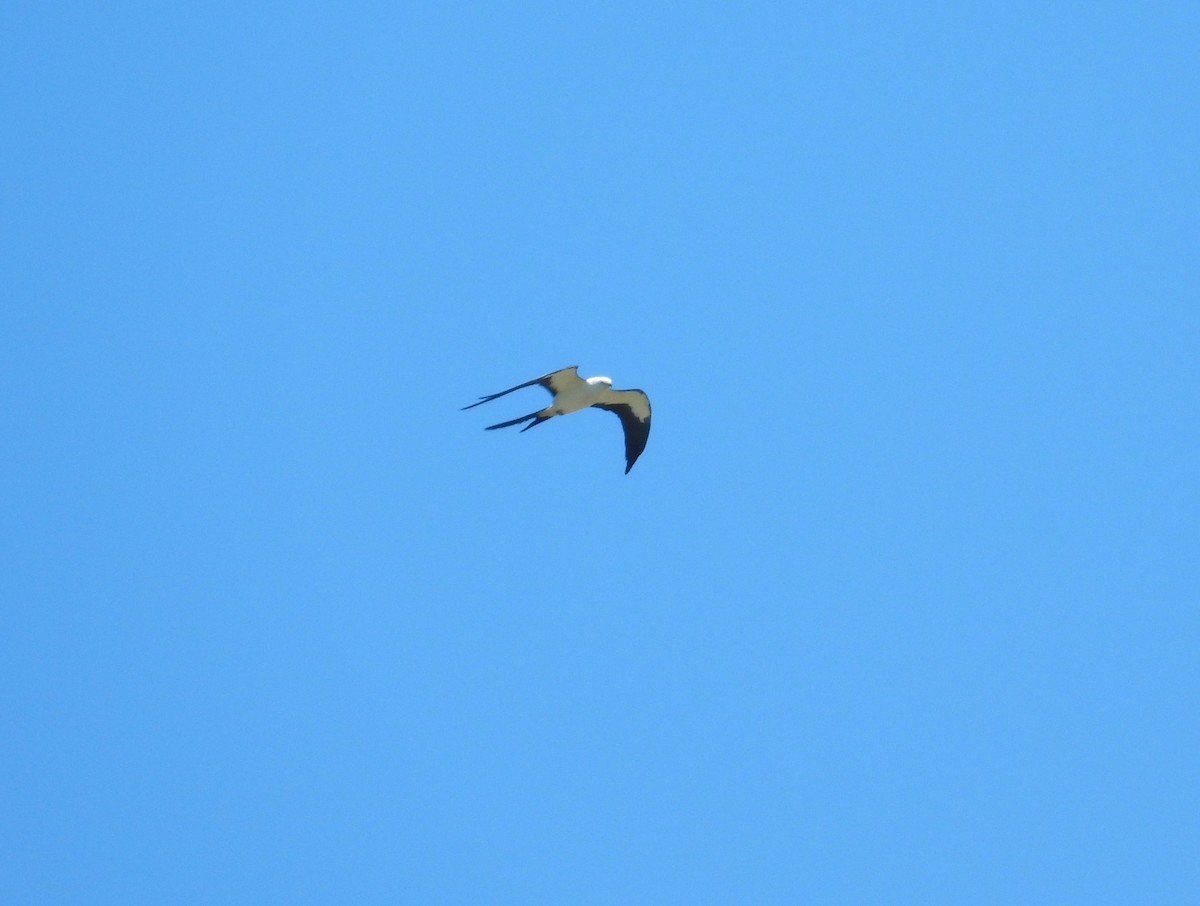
{"points": [[537, 419]]}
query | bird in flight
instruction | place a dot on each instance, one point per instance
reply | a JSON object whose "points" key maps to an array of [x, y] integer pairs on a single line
{"points": [[572, 393]]}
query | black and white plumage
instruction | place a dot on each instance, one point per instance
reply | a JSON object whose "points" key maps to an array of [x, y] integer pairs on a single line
{"points": [[573, 393]]}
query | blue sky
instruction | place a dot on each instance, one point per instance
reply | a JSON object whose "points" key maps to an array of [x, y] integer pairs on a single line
{"points": [[898, 606]]}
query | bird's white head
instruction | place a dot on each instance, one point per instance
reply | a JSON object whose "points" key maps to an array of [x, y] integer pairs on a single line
{"points": [[600, 381]]}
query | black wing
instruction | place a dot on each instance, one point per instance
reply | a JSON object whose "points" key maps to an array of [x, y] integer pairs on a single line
{"points": [[553, 382], [635, 426]]}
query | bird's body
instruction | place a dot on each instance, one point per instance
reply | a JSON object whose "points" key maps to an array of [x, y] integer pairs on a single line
{"points": [[573, 393]]}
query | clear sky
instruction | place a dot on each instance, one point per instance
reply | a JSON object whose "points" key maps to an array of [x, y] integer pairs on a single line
{"points": [[900, 605]]}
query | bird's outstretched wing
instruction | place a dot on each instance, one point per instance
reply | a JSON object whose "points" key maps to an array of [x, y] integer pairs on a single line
{"points": [[555, 382], [633, 408]]}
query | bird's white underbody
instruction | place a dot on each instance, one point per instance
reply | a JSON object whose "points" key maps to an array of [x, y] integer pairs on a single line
{"points": [[572, 393]]}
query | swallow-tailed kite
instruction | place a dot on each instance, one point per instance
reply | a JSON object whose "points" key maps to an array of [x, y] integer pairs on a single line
{"points": [[572, 393]]}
